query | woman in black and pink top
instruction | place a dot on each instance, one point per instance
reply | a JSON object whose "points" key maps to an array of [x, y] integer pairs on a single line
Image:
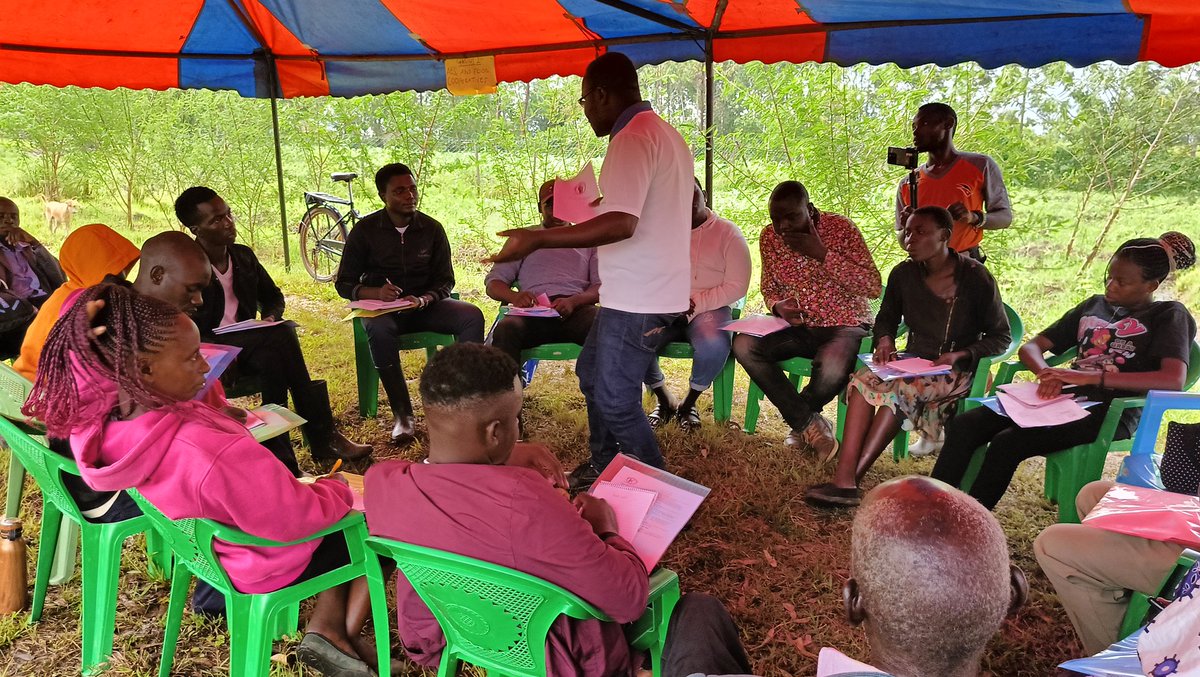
{"points": [[1128, 344]]}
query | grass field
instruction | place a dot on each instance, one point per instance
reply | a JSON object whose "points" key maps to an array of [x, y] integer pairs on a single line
{"points": [[775, 561]]}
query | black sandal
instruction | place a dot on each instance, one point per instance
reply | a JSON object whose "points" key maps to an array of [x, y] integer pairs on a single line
{"points": [[660, 415], [830, 496], [689, 419]]}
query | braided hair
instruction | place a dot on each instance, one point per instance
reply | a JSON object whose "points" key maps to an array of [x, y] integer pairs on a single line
{"points": [[1159, 257], [134, 324]]}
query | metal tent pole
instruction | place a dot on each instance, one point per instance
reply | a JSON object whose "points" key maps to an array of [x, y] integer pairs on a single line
{"points": [[283, 219], [708, 119]]}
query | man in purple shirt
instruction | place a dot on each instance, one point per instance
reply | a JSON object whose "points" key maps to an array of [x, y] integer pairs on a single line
{"points": [[568, 277], [27, 271], [482, 495]]}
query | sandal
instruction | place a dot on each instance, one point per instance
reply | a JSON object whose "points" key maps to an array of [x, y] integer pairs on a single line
{"points": [[689, 419], [320, 654], [830, 496], [660, 415]]}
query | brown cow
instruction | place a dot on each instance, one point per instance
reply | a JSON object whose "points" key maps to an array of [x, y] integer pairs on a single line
{"points": [[59, 213]]}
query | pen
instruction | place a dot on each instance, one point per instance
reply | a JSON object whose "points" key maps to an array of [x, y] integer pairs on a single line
{"points": [[336, 466]]}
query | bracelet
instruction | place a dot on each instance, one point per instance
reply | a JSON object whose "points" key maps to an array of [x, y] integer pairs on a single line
{"points": [[982, 218]]}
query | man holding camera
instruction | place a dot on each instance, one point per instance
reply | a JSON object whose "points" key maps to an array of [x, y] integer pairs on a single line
{"points": [[967, 184]]}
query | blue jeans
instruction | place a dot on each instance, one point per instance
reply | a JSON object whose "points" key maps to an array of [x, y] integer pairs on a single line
{"points": [[710, 348], [619, 349], [833, 351]]}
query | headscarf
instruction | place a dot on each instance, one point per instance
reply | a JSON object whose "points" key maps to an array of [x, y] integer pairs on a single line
{"points": [[88, 255]]}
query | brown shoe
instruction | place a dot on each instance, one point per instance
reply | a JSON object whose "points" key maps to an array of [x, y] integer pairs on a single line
{"points": [[818, 436], [347, 449]]}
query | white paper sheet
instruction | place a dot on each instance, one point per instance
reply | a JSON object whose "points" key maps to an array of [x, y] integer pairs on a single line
{"points": [[575, 199], [834, 662], [629, 503], [672, 509], [756, 325], [375, 304], [245, 325]]}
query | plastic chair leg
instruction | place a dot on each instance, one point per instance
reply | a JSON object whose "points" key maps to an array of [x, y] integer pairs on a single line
{"points": [[448, 667], [723, 393], [51, 523], [900, 446], [100, 576], [181, 580], [249, 635], [753, 404], [287, 621], [973, 469], [368, 378], [64, 552], [16, 486], [377, 591]]}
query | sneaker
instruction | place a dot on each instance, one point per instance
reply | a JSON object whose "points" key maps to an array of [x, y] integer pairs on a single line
{"points": [[660, 415], [828, 495], [818, 436], [795, 440], [689, 419], [922, 447], [582, 477]]}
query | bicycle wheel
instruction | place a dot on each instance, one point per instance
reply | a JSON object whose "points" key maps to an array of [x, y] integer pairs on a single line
{"points": [[321, 242]]}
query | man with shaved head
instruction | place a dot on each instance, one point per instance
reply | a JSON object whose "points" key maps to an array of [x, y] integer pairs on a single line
{"points": [[958, 584]]}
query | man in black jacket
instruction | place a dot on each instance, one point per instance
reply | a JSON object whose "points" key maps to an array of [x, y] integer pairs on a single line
{"points": [[241, 289], [397, 253]]}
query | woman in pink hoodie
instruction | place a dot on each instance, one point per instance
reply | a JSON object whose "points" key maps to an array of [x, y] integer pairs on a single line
{"points": [[117, 376]]}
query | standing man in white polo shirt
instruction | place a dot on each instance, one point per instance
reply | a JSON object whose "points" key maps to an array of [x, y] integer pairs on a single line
{"points": [[642, 238]]}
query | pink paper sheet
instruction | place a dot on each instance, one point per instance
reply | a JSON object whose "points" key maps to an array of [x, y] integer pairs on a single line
{"points": [[375, 304], [1054, 413], [917, 366], [1148, 513], [629, 503], [575, 198], [1026, 393]]}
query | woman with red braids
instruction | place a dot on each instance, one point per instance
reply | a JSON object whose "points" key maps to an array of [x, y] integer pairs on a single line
{"points": [[117, 376]]}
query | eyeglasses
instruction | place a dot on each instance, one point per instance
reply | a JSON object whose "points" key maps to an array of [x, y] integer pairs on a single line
{"points": [[588, 93]]}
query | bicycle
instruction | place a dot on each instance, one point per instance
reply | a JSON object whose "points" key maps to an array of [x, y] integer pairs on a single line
{"points": [[323, 229]]}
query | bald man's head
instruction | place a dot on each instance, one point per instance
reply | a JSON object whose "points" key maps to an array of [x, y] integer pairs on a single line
{"points": [[930, 576], [174, 269]]}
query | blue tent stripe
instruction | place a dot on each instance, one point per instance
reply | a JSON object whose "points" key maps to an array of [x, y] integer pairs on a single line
{"points": [[609, 22], [345, 26], [218, 31], [352, 78], [844, 11], [1030, 43], [645, 53]]}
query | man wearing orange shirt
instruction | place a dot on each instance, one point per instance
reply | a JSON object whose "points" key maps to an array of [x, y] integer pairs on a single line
{"points": [[967, 184]]}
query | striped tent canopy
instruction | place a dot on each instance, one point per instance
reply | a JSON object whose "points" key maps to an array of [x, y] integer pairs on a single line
{"points": [[351, 47]]}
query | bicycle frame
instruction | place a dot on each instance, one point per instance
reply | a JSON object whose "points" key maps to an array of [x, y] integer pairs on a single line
{"points": [[344, 222]]}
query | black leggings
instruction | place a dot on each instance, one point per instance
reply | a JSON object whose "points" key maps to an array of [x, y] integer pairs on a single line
{"points": [[1008, 445]]}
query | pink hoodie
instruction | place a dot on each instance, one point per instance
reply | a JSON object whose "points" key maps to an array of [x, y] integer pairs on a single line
{"points": [[191, 460]]}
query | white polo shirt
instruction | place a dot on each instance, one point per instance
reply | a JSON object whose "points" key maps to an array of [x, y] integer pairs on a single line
{"points": [[648, 172]]}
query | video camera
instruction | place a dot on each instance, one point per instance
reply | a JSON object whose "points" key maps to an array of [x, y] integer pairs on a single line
{"points": [[902, 157], [907, 158]]}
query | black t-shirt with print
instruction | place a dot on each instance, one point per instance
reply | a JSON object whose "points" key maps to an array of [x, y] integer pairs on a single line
{"points": [[1114, 339]]}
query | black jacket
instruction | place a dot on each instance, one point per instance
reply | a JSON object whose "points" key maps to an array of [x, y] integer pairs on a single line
{"points": [[418, 261], [975, 322], [256, 292]]}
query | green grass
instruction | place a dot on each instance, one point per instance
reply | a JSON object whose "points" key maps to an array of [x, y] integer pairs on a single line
{"points": [[776, 562]]}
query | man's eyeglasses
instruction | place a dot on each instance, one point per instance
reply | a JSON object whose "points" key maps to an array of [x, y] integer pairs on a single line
{"points": [[588, 93]]}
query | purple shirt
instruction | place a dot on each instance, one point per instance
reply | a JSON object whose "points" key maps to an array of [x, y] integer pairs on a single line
{"points": [[514, 518]]}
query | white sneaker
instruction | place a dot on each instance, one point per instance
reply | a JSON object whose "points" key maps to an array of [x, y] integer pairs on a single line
{"points": [[925, 446]]}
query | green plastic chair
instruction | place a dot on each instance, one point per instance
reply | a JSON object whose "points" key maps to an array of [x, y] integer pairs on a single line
{"points": [[100, 545], [497, 618], [368, 377], [722, 388], [797, 369], [1067, 471], [14, 390], [1139, 603], [979, 385], [254, 619]]}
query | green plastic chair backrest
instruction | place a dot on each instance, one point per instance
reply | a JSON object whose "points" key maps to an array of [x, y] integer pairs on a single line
{"points": [[1193, 371], [492, 616], [14, 390], [191, 541], [44, 464]]}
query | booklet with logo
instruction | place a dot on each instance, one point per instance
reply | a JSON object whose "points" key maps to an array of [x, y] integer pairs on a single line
{"points": [[219, 357]]}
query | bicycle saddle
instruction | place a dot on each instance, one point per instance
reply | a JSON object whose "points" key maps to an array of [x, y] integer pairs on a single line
{"points": [[343, 176]]}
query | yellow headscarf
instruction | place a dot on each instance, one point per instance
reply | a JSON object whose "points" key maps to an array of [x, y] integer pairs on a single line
{"points": [[87, 256]]}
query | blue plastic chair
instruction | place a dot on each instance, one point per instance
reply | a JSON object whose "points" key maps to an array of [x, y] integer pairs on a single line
{"points": [[1140, 467]]}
